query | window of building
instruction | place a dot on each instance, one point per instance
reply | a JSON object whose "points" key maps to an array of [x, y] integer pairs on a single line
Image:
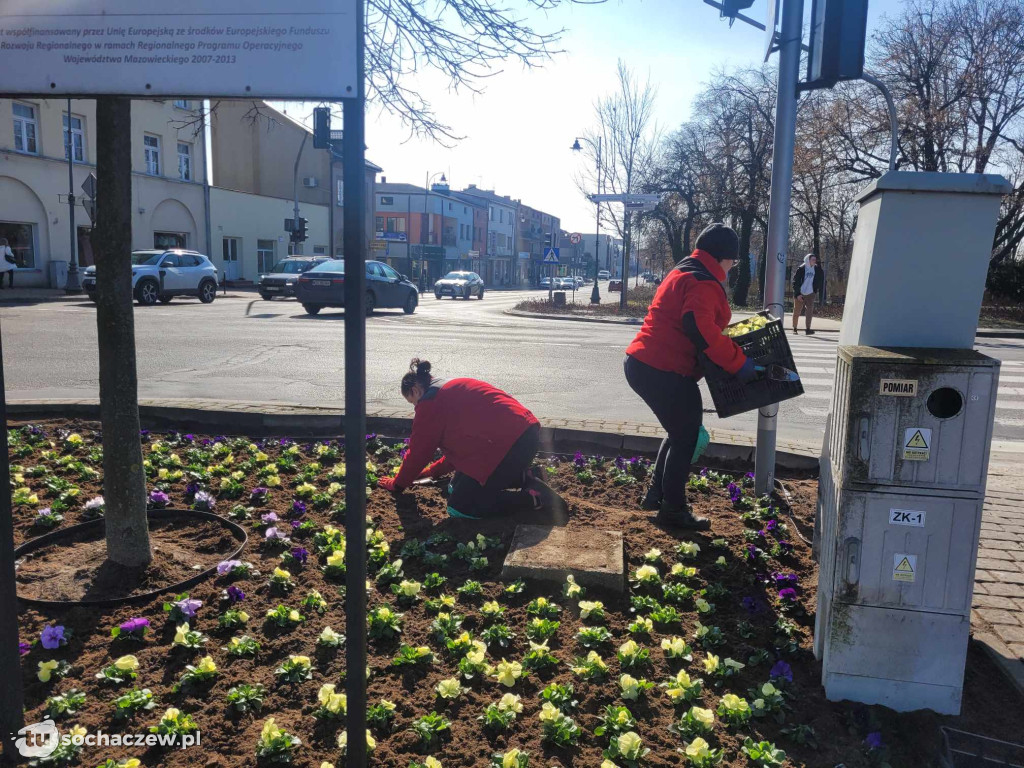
{"points": [[265, 255], [387, 200], [396, 224], [169, 240], [341, 192], [77, 142], [449, 206], [25, 129], [378, 223], [182, 104], [184, 161], [22, 240], [490, 213], [320, 250], [152, 146]]}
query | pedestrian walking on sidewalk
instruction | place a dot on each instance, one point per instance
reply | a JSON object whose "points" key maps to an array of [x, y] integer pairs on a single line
{"points": [[663, 364], [488, 439], [808, 281], [7, 263]]}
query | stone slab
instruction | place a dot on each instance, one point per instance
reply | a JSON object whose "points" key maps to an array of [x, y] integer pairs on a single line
{"points": [[595, 558]]}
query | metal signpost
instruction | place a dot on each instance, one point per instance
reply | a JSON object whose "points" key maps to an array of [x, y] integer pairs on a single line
{"points": [[256, 49], [551, 259]]}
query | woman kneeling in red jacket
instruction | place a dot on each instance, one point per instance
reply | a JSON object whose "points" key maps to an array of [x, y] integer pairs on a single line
{"points": [[487, 437], [663, 364]]}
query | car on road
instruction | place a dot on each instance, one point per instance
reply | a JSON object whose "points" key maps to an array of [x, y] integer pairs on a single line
{"points": [[324, 286], [281, 280], [160, 274], [456, 284], [545, 282], [579, 281], [565, 284], [604, 274]]}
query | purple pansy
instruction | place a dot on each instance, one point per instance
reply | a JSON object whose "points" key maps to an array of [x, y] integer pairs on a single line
{"points": [[787, 595], [23, 647], [298, 508], [274, 533], [784, 579], [188, 606], [258, 495], [750, 604], [295, 524], [235, 595], [781, 671], [269, 518], [735, 494], [771, 525], [204, 501], [159, 498], [52, 637], [300, 554], [226, 566], [132, 626], [786, 547], [874, 740], [579, 460]]}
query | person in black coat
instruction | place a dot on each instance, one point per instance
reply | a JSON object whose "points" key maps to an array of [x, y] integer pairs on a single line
{"points": [[808, 281]]}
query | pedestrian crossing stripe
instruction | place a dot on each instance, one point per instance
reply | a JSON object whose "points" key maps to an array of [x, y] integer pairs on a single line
{"points": [[904, 568], [917, 441]]}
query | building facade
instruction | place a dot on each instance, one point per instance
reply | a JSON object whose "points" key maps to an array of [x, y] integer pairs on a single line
{"points": [[168, 206], [262, 151], [500, 252], [535, 227]]}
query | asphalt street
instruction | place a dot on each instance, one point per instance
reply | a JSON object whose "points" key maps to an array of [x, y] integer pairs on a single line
{"points": [[246, 349]]}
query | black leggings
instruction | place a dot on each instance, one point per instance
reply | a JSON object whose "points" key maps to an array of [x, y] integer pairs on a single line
{"points": [[676, 402], [468, 498]]}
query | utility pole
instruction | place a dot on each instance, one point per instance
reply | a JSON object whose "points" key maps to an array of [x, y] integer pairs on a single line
{"points": [[778, 219]]}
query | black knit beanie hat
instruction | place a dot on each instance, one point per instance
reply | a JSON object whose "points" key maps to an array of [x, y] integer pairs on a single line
{"points": [[720, 241]]}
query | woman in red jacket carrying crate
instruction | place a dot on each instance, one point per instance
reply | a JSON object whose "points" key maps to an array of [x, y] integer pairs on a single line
{"points": [[488, 439], [686, 318]]}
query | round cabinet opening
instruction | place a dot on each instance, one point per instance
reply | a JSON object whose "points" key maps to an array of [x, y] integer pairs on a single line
{"points": [[945, 403]]}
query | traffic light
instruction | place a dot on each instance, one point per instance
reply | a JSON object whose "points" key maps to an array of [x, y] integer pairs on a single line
{"points": [[302, 234], [547, 240], [322, 128], [731, 8], [838, 33]]}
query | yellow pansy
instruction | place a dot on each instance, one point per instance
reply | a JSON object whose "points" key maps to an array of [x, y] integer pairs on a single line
{"points": [[711, 663], [703, 716], [243, 616], [629, 745], [410, 588], [294, 615], [180, 632], [646, 573], [270, 730], [173, 713], [206, 665], [507, 672], [78, 730], [46, 670], [698, 749], [132, 762], [449, 688], [302, 661], [336, 559], [127, 663], [629, 648], [281, 573], [510, 703], [431, 762], [510, 759], [549, 713]]}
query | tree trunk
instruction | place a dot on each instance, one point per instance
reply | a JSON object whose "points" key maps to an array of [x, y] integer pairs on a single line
{"points": [[742, 286], [124, 480]]}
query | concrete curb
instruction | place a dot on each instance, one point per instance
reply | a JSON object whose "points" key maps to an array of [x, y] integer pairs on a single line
{"points": [[1003, 657], [570, 318], [264, 420], [982, 333]]}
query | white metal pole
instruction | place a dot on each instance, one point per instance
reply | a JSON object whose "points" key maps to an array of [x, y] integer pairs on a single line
{"points": [[778, 218]]}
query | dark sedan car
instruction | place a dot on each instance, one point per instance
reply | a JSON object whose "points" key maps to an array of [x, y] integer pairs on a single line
{"points": [[281, 280], [324, 286], [455, 284]]}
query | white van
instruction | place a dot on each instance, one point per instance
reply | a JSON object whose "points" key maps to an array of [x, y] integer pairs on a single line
{"points": [[604, 274]]}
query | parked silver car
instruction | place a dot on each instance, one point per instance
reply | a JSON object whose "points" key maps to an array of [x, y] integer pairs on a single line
{"points": [[160, 275]]}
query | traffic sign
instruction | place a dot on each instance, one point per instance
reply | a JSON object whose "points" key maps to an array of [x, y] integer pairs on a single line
{"points": [[575, 238], [90, 208], [551, 256], [396, 236], [89, 185]]}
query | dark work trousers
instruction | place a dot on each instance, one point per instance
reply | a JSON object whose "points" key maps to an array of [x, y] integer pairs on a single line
{"points": [[503, 493], [676, 402]]}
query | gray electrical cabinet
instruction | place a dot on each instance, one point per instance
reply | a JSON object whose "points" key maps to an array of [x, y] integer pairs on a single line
{"points": [[905, 459]]}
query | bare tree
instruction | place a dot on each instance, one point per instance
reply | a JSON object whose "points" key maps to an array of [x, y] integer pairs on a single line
{"points": [[628, 139]]}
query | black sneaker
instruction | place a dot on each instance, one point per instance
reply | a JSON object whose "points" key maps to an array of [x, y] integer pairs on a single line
{"points": [[809, 332], [681, 517]]}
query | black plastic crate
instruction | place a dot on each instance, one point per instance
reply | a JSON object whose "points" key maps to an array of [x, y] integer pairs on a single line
{"points": [[766, 346], [961, 749]]}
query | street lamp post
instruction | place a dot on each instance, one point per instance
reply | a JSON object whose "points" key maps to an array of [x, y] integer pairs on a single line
{"points": [[595, 294], [74, 284]]}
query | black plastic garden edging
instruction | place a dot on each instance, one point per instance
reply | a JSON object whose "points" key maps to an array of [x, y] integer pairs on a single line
{"points": [[155, 514]]}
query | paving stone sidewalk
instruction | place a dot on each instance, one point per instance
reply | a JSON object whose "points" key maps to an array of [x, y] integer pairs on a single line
{"points": [[998, 615]]}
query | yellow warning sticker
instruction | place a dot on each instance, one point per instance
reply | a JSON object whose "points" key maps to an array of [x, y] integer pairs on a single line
{"points": [[904, 567], [917, 444]]}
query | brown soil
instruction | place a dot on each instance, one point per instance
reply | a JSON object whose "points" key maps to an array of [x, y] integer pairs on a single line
{"points": [[77, 568], [990, 705]]}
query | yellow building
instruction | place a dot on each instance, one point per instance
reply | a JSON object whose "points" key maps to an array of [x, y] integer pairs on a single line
{"points": [[167, 180]]}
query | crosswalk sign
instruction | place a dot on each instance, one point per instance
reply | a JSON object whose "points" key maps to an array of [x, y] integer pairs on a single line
{"points": [[550, 255]]}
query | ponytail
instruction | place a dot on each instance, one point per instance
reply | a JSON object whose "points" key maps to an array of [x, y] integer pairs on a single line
{"points": [[419, 373]]}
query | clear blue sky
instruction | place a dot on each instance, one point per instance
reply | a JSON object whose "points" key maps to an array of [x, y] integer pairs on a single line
{"points": [[518, 132]]}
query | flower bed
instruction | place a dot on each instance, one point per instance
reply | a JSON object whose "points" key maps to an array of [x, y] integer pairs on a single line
{"points": [[706, 660]]}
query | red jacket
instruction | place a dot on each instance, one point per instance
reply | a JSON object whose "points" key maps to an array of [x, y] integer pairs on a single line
{"points": [[687, 316], [473, 423]]}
